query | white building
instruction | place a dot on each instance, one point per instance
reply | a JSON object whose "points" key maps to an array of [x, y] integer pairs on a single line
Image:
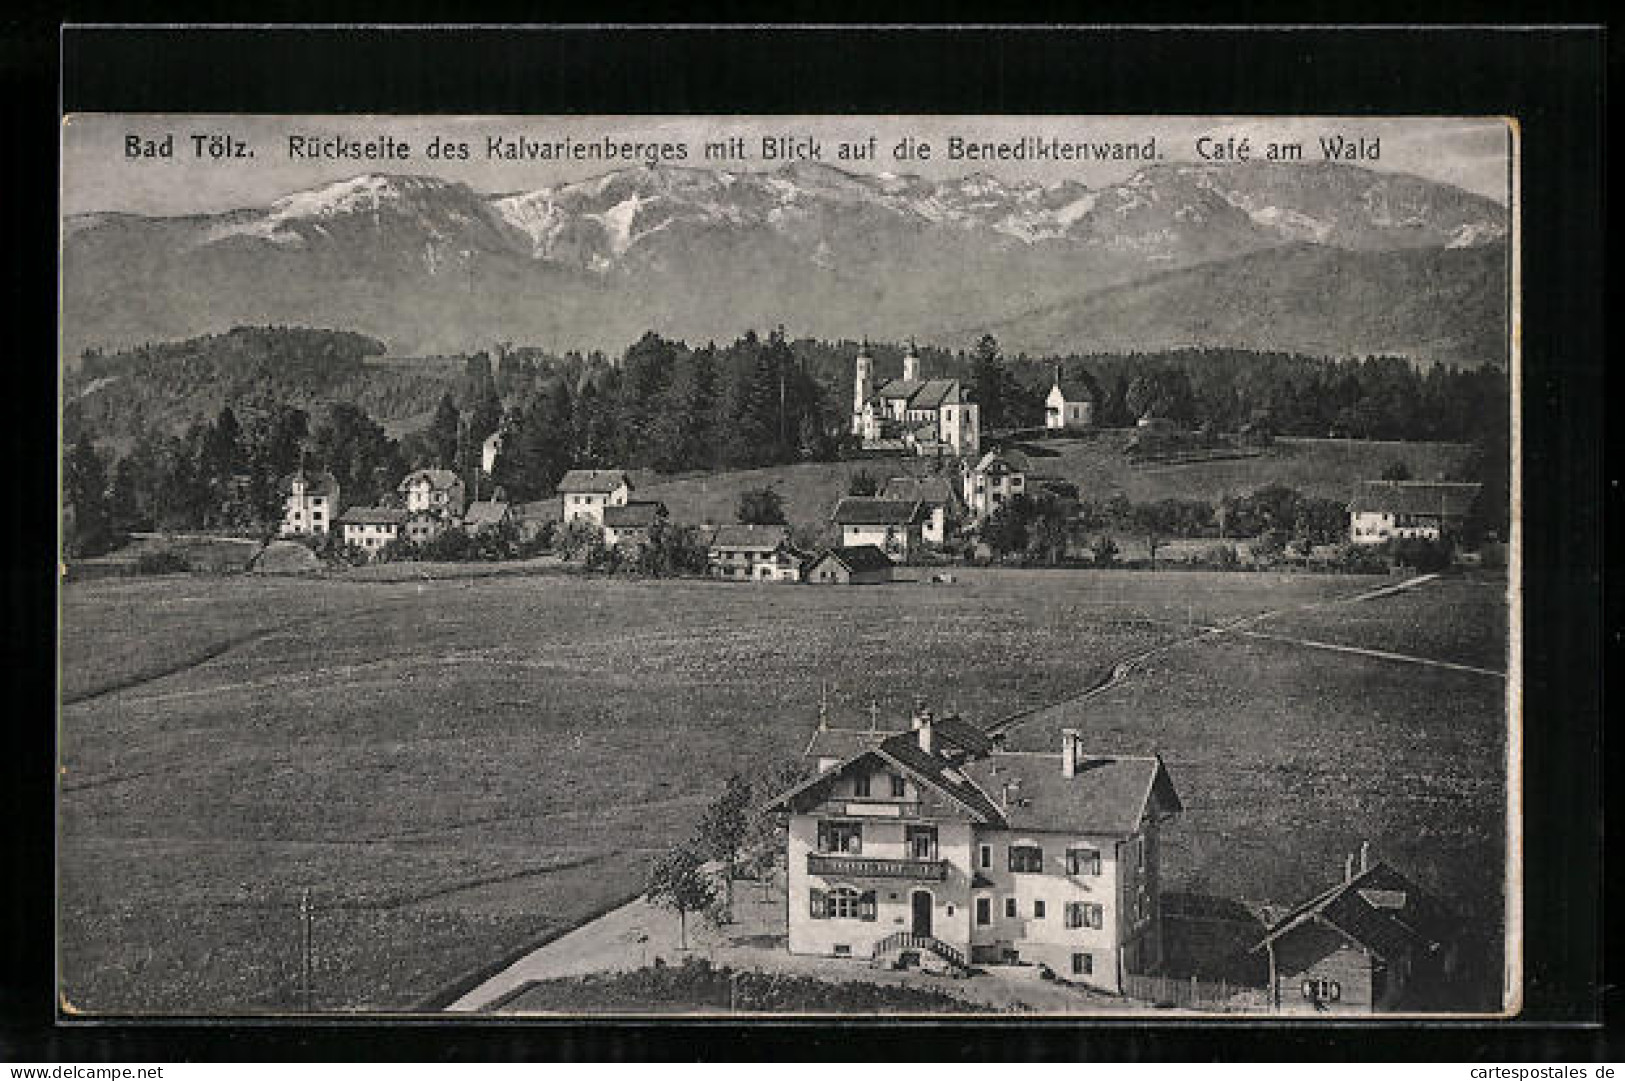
{"points": [[370, 528], [586, 492], [1070, 405], [932, 417], [895, 526], [993, 481], [310, 503], [930, 847], [433, 491], [1391, 509]]}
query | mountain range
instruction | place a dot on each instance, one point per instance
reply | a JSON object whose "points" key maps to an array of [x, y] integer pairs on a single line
{"points": [[1324, 258]]}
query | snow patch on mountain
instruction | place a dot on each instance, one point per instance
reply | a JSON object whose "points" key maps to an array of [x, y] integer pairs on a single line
{"points": [[1292, 223]]}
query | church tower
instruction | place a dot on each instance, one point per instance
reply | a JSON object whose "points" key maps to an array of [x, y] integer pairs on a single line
{"points": [[863, 387], [911, 364]]}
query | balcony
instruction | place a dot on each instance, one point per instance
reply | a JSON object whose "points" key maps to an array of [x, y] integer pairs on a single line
{"points": [[863, 867]]}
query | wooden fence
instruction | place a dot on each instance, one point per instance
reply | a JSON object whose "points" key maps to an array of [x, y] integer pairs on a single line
{"points": [[1194, 994]]}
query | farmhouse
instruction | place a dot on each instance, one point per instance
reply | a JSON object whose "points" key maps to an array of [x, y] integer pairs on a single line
{"points": [[999, 477], [929, 416], [586, 492], [918, 849], [895, 526], [761, 553], [483, 514], [1373, 942], [1387, 509], [629, 523], [423, 526], [435, 491], [370, 528], [861, 565], [1070, 405], [310, 502], [941, 501]]}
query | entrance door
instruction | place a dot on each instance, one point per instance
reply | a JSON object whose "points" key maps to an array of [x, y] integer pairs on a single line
{"points": [[922, 913]]}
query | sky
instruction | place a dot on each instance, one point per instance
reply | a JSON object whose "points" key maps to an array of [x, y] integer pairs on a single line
{"points": [[98, 174]]}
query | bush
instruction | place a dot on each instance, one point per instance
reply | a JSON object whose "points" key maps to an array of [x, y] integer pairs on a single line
{"points": [[1104, 550], [1222, 557], [161, 561], [1419, 554], [1359, 559]]}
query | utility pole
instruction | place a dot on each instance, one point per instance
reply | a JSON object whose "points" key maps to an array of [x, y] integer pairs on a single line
{"points": [[305, 911]]}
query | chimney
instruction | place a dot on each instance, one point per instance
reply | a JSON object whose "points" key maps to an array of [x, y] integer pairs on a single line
{"points": [[1365, 856], [1069, 752], [1004, 794], [923, 725], [1348, 867]]}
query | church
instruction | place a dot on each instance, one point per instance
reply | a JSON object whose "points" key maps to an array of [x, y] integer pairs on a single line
{"points": [[911, 415]]}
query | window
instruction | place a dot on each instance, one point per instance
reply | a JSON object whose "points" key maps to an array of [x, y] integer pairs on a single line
{"points": [[1083, 964], [1010, 908], [1322, 990], [1038, 910], [840, 837], [984, 911], [987, 857], [860, 785], [899, 787], [1084, 914], [842, 903], [1082, 861], [922, 842], [1026, 859]]}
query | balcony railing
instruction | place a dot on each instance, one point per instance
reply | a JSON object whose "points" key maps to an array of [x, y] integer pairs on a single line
{"points": [[864, 867]]}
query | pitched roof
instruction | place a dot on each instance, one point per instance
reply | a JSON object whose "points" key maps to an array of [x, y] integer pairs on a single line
{"points": [[934, 491], [1379, 908], [485, 512], [1017, 462], [437, 478], [873, 510], [540, 510], [857, 558], [594, 480], [1074, 389], [1108, 794], [933, 392], [634, 515], [843, 743], [374, 516], [900, 388], [755, 538], [1414, 497], [322, 483]]}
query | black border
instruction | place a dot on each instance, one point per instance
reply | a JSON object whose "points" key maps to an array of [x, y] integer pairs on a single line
{"points": [[1551, 79]]}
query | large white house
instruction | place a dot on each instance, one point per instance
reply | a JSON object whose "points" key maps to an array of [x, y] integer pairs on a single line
{"points": [[933, 417], [433, 491], [895, 526], [1389, 509], [370, 528], [586, 492], [310, 503], [933, 847], [993, 481]]}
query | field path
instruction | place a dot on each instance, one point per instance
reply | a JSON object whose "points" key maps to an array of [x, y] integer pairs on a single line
{"points": [[1126, 667]]}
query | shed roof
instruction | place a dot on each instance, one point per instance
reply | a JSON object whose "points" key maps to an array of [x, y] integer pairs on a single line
{"points": [[596, 481], [1448, 500], [1380, 909], [875, 510]]}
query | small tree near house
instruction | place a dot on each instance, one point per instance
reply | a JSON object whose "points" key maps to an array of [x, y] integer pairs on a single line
{"points": [[761, 506], [724, 828], [678, 882]]}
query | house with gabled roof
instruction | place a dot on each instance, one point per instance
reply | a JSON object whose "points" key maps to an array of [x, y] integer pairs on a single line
{"points": [[930, 847], [1373, 942], [371, 528], [895, 526], [586, 492], [483, 514], [1384, 510], [629, 523], [937, 492], [863, 564], [756, 553], [1070, 405], [310, 503], [433, 491], [998, 477]]}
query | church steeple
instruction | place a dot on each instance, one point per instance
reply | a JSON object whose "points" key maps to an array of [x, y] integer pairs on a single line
{"points": [[911, 363], [863, 386]]}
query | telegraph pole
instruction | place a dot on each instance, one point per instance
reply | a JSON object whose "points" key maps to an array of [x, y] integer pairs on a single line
{"points": [[305, 911]]}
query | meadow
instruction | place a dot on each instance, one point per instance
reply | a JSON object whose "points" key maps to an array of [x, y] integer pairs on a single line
{"points": [[459, 768]]}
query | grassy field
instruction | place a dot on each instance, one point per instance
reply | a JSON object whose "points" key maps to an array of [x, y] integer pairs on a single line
{"points": [[457, 768], [1322, 467]]}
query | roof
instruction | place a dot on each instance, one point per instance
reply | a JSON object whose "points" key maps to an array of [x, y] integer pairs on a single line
{"points": [[935, 491], [1108, 794], [437, 478], [757, 538], [485, 512], [374, 516], [857, 558], [593, 480], [873, 510], [1414, 497], [635, 515], [1379, 908], [540, 510], [933, 392], [322, 483], [1010, 459], [1074, 389], [900, 388], [843, 743]]}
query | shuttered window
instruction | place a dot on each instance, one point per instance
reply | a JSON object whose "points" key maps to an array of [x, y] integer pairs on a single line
{"points": [[844, 903], [1082, 861], [1026, 859], [1084, 914]]}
